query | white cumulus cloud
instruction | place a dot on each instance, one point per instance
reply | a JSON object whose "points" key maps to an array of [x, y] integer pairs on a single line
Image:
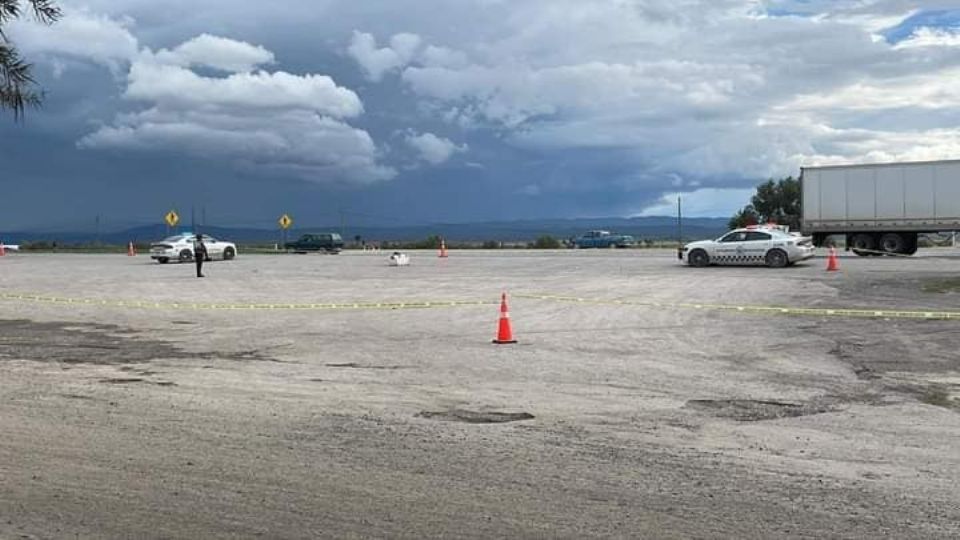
{"points": [[218, 53], [79, 34], [377, 62], [931, 37], [273, 122], [433, 149], [722, 91], [178, 86]]}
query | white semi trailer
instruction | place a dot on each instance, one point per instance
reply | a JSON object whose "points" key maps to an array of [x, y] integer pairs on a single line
{"points": [[880, 208]]}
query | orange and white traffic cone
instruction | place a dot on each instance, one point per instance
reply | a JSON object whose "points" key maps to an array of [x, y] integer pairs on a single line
{"points": [[504, 332], [832, 263], [131, 250], [3, 250], [443, 249]]}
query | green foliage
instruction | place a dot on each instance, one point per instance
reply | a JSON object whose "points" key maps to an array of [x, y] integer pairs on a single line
{"points": [[745, 216], [431, 242], [39, 245], [491, 244], [546, 242], [776, 201], [17, 86]]}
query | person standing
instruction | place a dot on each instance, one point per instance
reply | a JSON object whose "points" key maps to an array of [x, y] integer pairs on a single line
{"points": [[199, 254]]}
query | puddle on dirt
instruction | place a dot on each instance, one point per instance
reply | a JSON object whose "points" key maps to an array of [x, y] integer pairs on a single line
{"points": [[944, 285], [753, 410], [474, 417]]}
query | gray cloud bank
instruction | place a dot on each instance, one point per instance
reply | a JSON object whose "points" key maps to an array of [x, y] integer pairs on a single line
{"points": [[629, 97]]}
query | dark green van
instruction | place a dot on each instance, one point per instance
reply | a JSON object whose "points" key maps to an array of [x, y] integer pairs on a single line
{"points": [[321, 242]]}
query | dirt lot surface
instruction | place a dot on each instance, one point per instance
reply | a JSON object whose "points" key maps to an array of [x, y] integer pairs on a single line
{"points": [[275, 399]]}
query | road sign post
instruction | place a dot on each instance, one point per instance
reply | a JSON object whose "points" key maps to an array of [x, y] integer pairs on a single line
{"points": [[285, 222], [172, 218]]}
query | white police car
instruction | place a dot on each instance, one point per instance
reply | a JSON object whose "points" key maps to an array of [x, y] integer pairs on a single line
{"points": [[180, 248], [768, 245]]}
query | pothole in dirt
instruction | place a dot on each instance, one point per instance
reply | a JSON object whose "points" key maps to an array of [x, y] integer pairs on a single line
{"points": [[97, 344], [122, 380], [475, 417], [132, 380], [354, 365], [72, 343], [753, 410]]}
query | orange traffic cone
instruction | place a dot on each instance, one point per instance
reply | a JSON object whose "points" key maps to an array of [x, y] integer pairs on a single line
{"points": [[3, 251], [443, 249], [504, 333], [131, 250], [832, 264]]}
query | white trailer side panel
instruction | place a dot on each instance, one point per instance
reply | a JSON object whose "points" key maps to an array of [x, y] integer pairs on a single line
{"points": [[833, 195], [811, 195], [890, 189], [948, 191], [919, 195], [861, 195], [910, 197]]}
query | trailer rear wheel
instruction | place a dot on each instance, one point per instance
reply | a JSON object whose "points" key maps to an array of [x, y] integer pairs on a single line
{"points": [[862, 244], [893, 243]]}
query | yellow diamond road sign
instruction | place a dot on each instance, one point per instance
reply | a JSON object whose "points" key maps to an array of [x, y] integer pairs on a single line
{"points": [[172, 218], [285, 222]]}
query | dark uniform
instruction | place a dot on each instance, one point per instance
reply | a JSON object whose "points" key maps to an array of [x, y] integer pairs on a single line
{"points": [[199, 254]]}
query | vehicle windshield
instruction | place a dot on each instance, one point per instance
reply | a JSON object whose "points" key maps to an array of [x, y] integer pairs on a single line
{"points": [[175, 239]]}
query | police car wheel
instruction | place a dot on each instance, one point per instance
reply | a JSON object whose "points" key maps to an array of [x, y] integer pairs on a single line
{"points": [[228, 254], [163, 260], [698, 258], [777, 258], [186, 255]]}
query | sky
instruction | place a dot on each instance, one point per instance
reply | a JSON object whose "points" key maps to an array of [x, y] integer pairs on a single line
{"points": [[380, 112]]}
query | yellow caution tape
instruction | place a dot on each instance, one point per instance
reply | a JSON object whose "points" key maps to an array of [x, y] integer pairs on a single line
{"points": [[244, 306], [356, 306], [767, 310]]}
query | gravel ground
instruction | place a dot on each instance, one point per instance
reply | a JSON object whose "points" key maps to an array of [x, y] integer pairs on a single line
{"points": [[605, 420]]}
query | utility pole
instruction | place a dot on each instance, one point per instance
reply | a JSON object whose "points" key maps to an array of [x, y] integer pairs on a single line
{"points": [[342, 221], [98, 229], [679, 228]]}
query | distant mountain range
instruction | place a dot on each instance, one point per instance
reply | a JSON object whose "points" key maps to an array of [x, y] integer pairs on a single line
{"points": [[656, 228]]}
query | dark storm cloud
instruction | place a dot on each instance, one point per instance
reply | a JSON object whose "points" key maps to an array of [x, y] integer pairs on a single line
{"points": [[416, 111]]}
